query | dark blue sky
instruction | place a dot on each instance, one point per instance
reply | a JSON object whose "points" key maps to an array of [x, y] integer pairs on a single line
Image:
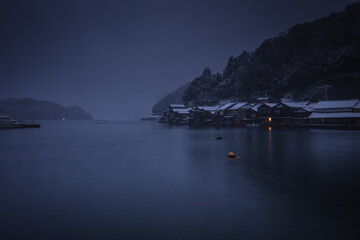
{"points": [[117, 58]]}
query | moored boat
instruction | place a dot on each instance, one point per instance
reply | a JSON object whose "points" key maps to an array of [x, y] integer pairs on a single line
{"points": [[8, 122], [252, 125]]}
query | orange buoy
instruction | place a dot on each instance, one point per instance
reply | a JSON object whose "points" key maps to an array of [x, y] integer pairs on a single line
{"points": [[231, 155]]}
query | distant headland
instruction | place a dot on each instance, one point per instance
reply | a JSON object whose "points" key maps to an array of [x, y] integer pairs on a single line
{"points": [[27, 108]]}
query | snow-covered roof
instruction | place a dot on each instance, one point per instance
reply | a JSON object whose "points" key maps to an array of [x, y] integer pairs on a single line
{"points": [[335, 115], [255, 104], [295, 104], [181, 110], [254, 108], [335, 104], [310, 104], [308, 109], [226, 106], [357, 106], [262, 98], [271, 105], [238, 106], [177, 105], [208, 108], [211, 109]]}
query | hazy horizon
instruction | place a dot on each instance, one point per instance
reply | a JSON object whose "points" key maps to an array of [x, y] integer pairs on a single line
{"points": [[116, 59]]}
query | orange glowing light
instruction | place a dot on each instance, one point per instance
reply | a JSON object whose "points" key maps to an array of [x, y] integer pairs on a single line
{"points": [[269, 128], [269, 119]]}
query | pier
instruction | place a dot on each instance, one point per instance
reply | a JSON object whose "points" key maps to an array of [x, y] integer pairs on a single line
{"points": [[16, 126]]}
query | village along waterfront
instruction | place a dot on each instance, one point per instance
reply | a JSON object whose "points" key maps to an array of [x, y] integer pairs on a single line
{"points": [[343, 114], [117, 180]]}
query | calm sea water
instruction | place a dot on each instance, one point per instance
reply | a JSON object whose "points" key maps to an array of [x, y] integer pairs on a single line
{"points": [[80, 180]]}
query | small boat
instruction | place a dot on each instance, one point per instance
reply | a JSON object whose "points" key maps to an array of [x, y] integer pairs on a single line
{"points": [[252, 125], [8, 122]]}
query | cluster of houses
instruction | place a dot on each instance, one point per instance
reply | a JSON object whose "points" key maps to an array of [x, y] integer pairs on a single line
{"points": [[264, 113]]}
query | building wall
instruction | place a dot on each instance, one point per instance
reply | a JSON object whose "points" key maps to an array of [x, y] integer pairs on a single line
{"points": [[341, 121]]}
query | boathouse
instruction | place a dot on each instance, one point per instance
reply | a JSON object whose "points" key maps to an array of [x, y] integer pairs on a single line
{"points": [[299, 112], [223, 115], [251, 115], [238, 111], [201, 115], [335, 113], [265, 113]]}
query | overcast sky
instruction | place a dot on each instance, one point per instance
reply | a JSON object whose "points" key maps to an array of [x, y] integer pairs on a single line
{"points": [[118, 58]]}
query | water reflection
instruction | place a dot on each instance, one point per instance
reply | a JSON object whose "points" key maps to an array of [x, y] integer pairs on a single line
{"points": [[270, 145], [139, 181]]}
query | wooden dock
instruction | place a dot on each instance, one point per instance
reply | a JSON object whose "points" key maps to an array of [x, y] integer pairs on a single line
{"points": [[16, 126], [31, 126]]}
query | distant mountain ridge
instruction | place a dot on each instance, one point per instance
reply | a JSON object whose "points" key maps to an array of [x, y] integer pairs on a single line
{"points": [[25, 109], [318, 59]]}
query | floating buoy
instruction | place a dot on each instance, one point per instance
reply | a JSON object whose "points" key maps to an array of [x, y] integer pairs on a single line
{"points": [[237, 157], [218, 137], [231, 155]]}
